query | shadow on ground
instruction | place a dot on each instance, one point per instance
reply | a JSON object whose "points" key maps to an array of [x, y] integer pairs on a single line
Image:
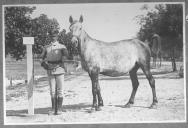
{"points": [[23, 113], [68, 77], [123, 106], [157, 75]]}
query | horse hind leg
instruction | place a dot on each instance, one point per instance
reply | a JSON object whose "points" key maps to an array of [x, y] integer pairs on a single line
{"points": [[151, 80], [135, 84]]}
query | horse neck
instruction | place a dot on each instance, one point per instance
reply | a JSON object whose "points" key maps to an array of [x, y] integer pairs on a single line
{"points": [[84, 39]]}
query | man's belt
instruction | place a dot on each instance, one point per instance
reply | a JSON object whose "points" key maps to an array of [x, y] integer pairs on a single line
{"points": [[54, 62], [52, 65]]}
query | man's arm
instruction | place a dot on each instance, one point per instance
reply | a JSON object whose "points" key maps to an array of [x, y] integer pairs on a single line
{"points": [[65, 54], [43, 55], [64, 57], [42, 59]]}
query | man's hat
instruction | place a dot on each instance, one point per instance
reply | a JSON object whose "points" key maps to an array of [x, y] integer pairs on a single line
{"points": [[53, 32]]}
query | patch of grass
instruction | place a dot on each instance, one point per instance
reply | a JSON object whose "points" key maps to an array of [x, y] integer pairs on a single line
{"points": [[8, 98], [17, 94], [17, 70], [16, 91], [18, 87]]}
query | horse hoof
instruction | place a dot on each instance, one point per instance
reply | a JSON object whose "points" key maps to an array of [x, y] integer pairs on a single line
{"points": [[98, 108], [92, 109], [59, 113], [51, 112], [64, 110], [128, 105], [153, 106], [101, 104]]}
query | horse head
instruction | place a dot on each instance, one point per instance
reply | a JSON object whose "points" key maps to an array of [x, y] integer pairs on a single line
{"points": [[75, 29]]}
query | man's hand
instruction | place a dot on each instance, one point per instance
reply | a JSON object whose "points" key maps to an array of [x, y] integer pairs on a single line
{"points": [[79, 66], [44, 64]]}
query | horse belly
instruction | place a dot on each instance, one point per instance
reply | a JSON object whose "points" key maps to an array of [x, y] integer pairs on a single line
{"points": [[117, 66], [112, 73]]}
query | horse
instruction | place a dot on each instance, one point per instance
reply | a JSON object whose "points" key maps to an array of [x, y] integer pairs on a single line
{"points": [[156, 49], [111, 59]]}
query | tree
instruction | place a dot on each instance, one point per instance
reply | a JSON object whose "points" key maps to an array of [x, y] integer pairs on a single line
{"points": [[18, 24], [167, 21], [17, 20], [65, 38], [41, 26]]}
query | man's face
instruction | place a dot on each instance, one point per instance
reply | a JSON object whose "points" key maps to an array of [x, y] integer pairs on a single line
{"points": [[54, 38]]}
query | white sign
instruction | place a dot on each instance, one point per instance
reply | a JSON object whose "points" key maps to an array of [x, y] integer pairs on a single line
{"points": [[28, 40]]}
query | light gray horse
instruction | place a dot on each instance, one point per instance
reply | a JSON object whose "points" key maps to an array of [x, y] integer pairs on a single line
{"points": [[111, 59], [156, 49]]}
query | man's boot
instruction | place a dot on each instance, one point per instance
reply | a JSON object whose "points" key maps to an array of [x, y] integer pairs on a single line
{"points": [[59, 105], [51, 112]]}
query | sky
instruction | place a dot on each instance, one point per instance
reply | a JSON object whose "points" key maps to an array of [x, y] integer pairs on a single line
{"points": [[102, 21]]}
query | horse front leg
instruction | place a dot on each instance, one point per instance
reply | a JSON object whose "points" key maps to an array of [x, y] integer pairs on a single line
{"points": [[100, 100], [97, 98], [94, 92]]}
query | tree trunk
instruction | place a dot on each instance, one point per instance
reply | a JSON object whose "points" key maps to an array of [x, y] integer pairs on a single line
{"points": [[173, 60], [173, 65]]}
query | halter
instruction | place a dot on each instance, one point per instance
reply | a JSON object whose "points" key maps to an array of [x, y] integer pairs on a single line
{"points": [[75, 21], [78, 39]]}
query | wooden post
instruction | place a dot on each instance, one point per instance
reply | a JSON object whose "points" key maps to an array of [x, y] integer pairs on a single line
{"points": [[29, 41], [11, 81]]}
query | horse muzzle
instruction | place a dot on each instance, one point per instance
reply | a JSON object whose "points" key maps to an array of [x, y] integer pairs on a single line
{"points": [[74, 41]]}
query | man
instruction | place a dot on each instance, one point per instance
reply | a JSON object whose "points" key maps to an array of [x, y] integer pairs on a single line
{"points": [[53, 57]]}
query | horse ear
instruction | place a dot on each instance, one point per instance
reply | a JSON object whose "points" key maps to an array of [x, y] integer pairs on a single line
{"points": [[81, 19], [71, 19]]}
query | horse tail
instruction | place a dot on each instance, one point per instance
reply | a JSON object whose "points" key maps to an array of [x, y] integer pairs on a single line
{"points": [[146, 45], [146, 48]]}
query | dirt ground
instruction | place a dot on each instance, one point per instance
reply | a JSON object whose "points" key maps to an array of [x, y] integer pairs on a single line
{"points": [[115, 92]]}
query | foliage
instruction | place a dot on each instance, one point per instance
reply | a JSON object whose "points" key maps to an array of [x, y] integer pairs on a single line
{"points": [[65, 38], [18, 24], [41, 27], [167, 21], [17, 19]]}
